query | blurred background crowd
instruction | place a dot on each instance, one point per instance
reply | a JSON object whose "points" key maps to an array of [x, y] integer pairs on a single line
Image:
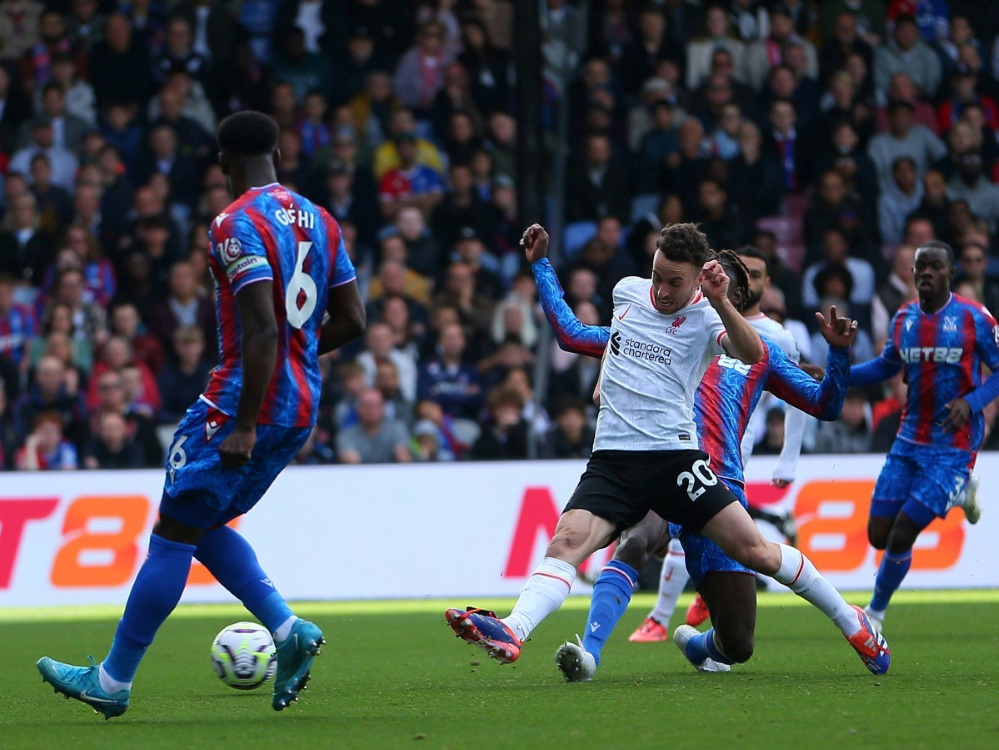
{"points": [[835, 136]]}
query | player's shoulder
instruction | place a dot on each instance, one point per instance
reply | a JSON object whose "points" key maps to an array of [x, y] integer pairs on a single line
{"points": [[632, 289], [977, 309]]}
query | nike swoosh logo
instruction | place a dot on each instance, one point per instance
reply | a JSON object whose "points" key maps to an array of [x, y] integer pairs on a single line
{"points": [[627, 310], [94, 699]]}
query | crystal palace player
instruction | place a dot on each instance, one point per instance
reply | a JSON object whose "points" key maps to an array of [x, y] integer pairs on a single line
{"points": [[940, 343], [663, 336], [280, 267]]}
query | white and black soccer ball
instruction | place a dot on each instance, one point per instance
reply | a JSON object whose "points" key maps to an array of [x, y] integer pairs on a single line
{"points": [[244, 656]]}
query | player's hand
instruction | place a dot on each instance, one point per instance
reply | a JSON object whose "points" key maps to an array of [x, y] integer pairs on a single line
{"points": [[535, 243], [838, 332], [814, 370], [958, 414], [714, 282], [236, 449], [781, 483]]}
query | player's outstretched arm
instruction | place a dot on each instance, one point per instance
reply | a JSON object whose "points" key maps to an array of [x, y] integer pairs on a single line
{"points": [[259, 355], [822, 400], [572, 336], [347, 317]]}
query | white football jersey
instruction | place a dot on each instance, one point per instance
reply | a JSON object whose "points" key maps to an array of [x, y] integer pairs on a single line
{"points": [[778, 334], [652, 367]]}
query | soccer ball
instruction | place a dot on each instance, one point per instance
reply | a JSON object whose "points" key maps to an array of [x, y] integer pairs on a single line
{"points": [[244, 656]]}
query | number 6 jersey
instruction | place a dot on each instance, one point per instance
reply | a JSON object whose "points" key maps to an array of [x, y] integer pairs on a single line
{"points": [[270, 234]]}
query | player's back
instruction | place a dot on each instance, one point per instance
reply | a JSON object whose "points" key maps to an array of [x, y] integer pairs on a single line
{"points": [[941, 356], [272, 235]]}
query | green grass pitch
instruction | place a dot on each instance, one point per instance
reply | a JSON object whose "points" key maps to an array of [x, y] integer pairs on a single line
{"points": [[393, 676]]}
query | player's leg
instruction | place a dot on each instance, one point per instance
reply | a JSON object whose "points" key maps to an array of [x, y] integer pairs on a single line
{"points": [[611, 595], [672, 580], [731, 597], [735, 532]]}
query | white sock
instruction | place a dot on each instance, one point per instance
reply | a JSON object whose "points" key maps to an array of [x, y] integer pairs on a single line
{"points": [[672, 581], [284, 629], [109, 684], [798, 574], [544, 593]]}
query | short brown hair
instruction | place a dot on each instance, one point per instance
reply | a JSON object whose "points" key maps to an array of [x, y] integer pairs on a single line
{"points": [[684, 243]]}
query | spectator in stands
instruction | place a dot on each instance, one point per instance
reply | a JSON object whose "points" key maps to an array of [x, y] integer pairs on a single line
{"points": [[411, 184], [183, 378], [504, 436], [462, 207], [181, 307], [963, 92], [427, 446], [640, 55], [455, 96], [179, 53], [314, 452], [835, 251], [898, 289], [899, 199], [488, 66], [398, 405], [192, 140], [120, 62], [25, 251], [718, 35], [58, 321], [769, 50], [111, 447], [904, 138], [460, 290], [834, 286], [55, 207], [974, 264], [42, 141], [45, 448], [906, 51], [116, 356], [971, 184], [657, 144], [719, 219], [782, 143], [379, 348], [851, 433], [901, 88], [570, 436], [935, 205], [448, 379], [844, 41], [19, 25], [112, 397], [597, 185], [419, 74], [374, 439], [89, 318], [165, 157], [146, 348], [305, 71], [17, 328], [573, 374], [756, 182], [52, 391]]}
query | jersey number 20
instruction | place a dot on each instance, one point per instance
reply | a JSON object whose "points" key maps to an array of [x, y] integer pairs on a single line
{"points": [[301, 296], [699, 472]]}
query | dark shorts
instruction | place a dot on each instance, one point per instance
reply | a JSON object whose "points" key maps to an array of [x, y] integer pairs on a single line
{"points": [[199, 491], [932, 476], [622, 486]]}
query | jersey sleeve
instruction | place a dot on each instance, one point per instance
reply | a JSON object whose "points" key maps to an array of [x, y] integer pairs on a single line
{"points": [[791, 384], [341, 268], [572, 336], [237, 245], [882, 367], [987, 346], [716, 327]]}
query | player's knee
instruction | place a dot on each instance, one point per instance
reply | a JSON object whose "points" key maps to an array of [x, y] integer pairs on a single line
{"points": [[737, 644], [761, 556], [566, 542]]}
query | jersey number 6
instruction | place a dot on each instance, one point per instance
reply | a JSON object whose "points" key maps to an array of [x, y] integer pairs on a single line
{"points": [[301, 295], [698, 472]]}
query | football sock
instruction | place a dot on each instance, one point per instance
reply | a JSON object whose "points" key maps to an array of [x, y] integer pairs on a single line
{"points": [[798, 574], [284, 630], [611, 595], [672, 582], [231, 559], [703, 646], [891, 572], [154, 595], [544, 593]]}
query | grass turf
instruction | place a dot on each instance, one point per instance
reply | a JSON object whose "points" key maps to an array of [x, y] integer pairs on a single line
{"points": [[393, 676]]}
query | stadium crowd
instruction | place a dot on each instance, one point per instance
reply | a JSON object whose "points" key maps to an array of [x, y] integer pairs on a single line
{"points": [[835, 136]]}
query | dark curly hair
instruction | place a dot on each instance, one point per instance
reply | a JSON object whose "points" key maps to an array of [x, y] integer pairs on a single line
{"points": [[684, 243], [737, 272]]}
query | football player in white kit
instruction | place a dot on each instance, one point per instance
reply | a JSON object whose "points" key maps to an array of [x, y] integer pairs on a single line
{"points": [[664, 333]]}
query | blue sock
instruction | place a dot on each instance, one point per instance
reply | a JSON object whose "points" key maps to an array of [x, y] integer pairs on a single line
{"points": [[231, 559], [611, 595], [702, 646], [890, 576], [155, 593]]}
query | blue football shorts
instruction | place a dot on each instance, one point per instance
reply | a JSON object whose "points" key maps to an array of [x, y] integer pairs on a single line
{"points": [[198, 490], [704, 556], [931, 476]]}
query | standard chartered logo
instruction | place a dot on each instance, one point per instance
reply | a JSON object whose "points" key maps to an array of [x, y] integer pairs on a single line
{"points": [[655, 353]]}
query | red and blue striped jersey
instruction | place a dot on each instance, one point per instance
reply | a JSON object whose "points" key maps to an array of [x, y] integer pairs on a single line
{"points": [[729, 390], [941, 356], [272, 235], [16, 327]]}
